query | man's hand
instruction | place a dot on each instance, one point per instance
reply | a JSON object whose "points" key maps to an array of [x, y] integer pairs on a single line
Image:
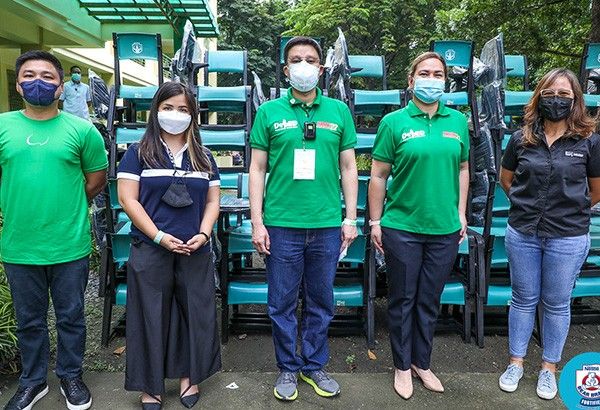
{"points": [[349, 234], [260, 239], [376, 238]]}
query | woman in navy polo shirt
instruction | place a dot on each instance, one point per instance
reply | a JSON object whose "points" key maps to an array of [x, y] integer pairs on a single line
{"points": [[169, 186]]}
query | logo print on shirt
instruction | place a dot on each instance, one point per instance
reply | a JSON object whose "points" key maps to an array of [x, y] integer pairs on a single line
{"points": [[32, 143], [450, 134], [327, 125], [285, 124], [573, 154], [413, 134]]}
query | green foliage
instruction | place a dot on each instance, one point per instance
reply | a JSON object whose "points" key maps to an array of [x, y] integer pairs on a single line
{"points": [[254, 26], [8, 325], [398, 30], [550, 33]]}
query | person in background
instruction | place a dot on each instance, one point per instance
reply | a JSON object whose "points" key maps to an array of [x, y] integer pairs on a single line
{"points": [[551, 174], [76, 98], [425, 147], [53, 164]]}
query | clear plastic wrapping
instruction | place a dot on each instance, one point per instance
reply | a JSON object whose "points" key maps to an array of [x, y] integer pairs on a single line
{"points": [[258, 96], [338, 70]]}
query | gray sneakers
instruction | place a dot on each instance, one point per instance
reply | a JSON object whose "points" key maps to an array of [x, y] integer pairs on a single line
{"points": [[509, 381], [323, 384], [546, 385], [286, 386]]}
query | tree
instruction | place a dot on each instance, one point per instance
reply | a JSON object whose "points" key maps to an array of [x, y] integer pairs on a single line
{"points": [[254, 26], [398, 30], [550, 33]]}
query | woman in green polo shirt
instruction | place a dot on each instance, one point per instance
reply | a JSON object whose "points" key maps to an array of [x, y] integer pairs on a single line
{"points": [[425, 147]]}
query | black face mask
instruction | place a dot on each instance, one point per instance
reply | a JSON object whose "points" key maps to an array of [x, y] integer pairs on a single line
{"points": [[555, 108], [177, 195]]}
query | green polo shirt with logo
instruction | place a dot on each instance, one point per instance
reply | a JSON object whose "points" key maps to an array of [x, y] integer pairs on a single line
{"points": [[42, 193], [279, 129], [425, 154]]}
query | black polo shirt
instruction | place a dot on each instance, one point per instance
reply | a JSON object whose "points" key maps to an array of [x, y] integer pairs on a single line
{"points": [[549, 194]]}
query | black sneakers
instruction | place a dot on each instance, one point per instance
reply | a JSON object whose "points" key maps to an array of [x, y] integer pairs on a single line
{"points": [[26, 397], [76, 393]]}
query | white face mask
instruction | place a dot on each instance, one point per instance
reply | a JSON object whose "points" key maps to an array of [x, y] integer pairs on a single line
{"points": [[174, 122], [303, 76]]}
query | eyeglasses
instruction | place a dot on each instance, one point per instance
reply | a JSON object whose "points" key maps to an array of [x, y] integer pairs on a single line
{"points": [[309, 60], [561, 92]]}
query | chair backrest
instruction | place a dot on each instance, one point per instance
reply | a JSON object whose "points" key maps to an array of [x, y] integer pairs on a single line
{"points": [[516, 67], [591, 56], [590, 60], [456, 53], [370, 66], [227, 61], [129, 46]]}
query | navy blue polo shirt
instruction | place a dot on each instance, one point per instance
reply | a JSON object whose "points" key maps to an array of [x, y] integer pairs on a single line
{"points": [[183, 223]]}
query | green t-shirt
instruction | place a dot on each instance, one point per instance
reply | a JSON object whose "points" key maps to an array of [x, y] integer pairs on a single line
{"points": [[425, 155], [279, 129], [42, 189]]}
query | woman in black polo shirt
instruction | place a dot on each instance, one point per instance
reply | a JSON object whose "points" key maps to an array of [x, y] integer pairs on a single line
{"points": [[551, 174], [169, 188]]}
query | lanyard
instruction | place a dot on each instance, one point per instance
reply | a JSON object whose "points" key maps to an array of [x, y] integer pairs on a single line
{"points": [[172, 159]]}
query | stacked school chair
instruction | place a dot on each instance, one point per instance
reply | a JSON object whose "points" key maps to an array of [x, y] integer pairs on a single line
{"points": [[125, 128]]}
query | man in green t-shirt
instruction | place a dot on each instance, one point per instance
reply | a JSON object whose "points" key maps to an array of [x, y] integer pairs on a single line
{"points": [[52, 164], [306, 142]]}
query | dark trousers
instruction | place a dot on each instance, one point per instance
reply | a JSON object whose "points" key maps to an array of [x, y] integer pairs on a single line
{"points": [[171, 327], [417, 268], [29, 285], [307, 258]]}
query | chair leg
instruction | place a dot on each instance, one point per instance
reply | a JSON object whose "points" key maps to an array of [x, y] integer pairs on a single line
{"points": [[467, 320], [224, 318], [370, 323], [479, 315], [106, 319]]}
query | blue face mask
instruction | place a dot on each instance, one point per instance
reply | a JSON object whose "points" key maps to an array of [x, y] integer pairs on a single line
{"points": [[39, 92], [428, 90], [76, 77]]}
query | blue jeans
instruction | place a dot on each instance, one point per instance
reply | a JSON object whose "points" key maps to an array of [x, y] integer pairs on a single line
{"points": [[546, 269], [306, 257], [29, 285]]}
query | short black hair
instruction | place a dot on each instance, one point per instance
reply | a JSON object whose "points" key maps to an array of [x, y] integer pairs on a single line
{"points": [[302, 40], [74, 67], [39, 55]]}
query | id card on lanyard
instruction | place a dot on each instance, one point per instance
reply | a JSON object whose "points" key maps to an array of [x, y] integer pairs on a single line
{"points": [[305, 159], [304, 163]]}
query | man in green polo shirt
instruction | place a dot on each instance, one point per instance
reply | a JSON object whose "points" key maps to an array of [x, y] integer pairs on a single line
{"points": [[52, 164], [305, 141]]}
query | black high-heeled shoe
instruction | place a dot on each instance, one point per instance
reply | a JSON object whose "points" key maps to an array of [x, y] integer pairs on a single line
{"points": [[154, 405], [190, 400]]}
